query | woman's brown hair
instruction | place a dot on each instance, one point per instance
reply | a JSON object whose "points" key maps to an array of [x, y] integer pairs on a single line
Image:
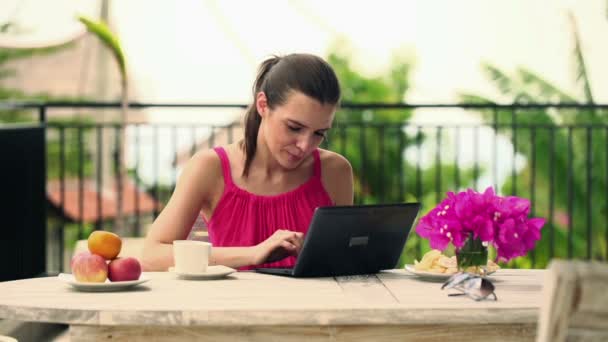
{"points": [[277, 77]]}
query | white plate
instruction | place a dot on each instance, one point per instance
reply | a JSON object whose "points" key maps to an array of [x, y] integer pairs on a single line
{"points": [[101, 287], [213, 272], [430, 275], [426, 274]]}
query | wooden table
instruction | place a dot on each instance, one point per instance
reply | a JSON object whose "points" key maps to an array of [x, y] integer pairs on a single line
{"points": [[392, 305]]}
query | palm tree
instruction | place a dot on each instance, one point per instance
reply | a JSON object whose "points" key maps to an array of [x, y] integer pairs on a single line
{"points": [[560, 181], [111, 41]]}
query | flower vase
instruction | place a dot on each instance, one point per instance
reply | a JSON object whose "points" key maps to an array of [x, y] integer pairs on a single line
{"points": [[473, 256]]}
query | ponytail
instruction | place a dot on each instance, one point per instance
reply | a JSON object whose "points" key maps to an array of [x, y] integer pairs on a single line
{"points": [[252, 117]]}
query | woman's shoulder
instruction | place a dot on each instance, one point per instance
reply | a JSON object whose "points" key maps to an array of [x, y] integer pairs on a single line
{"points": [[204, 170], [205, 165], [205, 159], [337, 177], [333, 162], [211, 157], [210, 162]]}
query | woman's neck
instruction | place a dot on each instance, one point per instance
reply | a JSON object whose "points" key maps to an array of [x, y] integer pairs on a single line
{"points": [[267, 165]]}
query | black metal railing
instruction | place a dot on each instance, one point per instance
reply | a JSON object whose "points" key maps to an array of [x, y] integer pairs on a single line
{"points": [[553, 154]]}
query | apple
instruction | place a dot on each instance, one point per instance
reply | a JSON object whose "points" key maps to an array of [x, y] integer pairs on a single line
{"points": [[124, 269], [89, 268]]}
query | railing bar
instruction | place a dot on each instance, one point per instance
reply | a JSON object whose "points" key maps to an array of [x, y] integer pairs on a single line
{"points": [[418, 167], [457, 158], [343, 140], [155, 169], [193, 137], [136, 181], [418, 180], [381, 162], [514, 141], [174, 169], [476, 157], [362, 173], [589, 193], [45, 166], [212, 137], [438, 164], [80, 183], [230, 133], [400, 173], [570, 178], [118, 176], [42, 114], [99, 174], [495, 150], [551, 192], [533, 186], [62, 193]]}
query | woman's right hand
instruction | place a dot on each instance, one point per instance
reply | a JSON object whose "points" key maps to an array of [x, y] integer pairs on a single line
{"points": [[281, 244]]}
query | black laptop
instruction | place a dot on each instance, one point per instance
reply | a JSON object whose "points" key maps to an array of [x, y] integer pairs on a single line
{"points": [[349, 240]]}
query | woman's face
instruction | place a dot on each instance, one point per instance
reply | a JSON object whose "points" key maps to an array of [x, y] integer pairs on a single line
{"points": [[296, 128]]}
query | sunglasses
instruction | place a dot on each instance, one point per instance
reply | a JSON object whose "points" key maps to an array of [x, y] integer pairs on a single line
{"points": [[470, 285]]}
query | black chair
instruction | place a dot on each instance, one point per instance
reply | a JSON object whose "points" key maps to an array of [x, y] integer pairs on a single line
{"points": [[22, 202]]}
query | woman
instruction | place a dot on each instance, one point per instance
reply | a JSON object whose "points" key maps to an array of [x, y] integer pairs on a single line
{"points": [[257, 196]]}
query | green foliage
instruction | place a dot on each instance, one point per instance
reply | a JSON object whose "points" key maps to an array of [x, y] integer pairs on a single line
{"points": [[76, 132], [109, 39], [374, 141], [4, 27], [544, 137]]}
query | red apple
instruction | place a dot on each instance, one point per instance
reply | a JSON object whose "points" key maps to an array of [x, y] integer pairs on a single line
{"points": [[124, 269], [89, 268]]}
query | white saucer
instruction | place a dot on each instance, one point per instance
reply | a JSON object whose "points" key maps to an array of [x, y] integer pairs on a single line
{"points": [[101, 287], [213, 272]]}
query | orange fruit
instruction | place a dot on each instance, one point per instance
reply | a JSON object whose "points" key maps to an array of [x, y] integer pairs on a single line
{"points": [[105, 244]]}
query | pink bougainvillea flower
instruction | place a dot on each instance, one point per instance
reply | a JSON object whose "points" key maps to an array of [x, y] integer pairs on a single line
{"points": [[500, 221]]}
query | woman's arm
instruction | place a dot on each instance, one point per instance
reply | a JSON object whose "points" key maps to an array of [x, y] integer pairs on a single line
{"points": [[194, 189]]}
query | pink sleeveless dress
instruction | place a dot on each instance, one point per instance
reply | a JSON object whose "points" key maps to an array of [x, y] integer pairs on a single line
{"points": [[243, 219]]}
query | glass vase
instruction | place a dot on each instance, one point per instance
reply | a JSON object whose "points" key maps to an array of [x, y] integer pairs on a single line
{"points": [[473, 256]]}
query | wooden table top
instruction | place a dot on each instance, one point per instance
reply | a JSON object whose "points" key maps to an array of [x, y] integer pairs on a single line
{"points": [[248, 298]]}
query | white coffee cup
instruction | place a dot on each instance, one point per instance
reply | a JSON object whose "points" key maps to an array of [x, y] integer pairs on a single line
{"points": [[191, 256]]}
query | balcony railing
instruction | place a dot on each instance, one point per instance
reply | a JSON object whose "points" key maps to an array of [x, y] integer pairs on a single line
{"points": [[553, 154]]}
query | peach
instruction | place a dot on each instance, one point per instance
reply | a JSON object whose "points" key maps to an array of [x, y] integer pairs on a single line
{"points": [[89, 268], [124, 269], [104, 243]]}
